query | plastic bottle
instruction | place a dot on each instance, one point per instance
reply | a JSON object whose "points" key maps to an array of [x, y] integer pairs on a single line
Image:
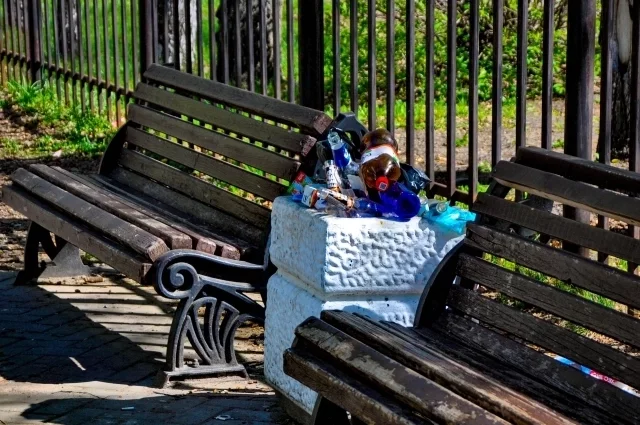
{"points": [[379, 167], [341, 154], [397, 202]]}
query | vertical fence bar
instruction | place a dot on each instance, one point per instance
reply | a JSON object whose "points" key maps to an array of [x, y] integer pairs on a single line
{"points": [[65, 58], [116, 55], [391, 65], [606, 96], [96, 35], [56, 49], [496, 88], [353, 38], [581, 19], [125, 51], [473, 99], [89, 53], [238, 46], [134, 37], [80, 58], [15, 37], [165, 29], [72, 51], [521, 81], [107, 59], [176, 31], [250, 44], [47, 41], [35, 41], [263, 48], [187, 34], [291, 84], [199, 40], [8, 42], [547, 74], [335, 21], [224, 55], [634, 143], [411, 80], [146, 33], [212, 41], [311, 53], [430, 89], [371, 14], [18, 30], [277, 16], [451, 97], [155, 32]]}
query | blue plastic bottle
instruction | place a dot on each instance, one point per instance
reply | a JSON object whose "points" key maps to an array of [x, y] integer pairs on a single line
{"points": [[396, 202], [341, 154]]}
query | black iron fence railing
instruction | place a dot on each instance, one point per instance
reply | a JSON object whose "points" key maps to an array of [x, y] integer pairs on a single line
{"points": [[455, 80]]}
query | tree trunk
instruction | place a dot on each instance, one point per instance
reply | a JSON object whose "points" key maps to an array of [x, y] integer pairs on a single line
{"points": [[240, 7], [621, 114], [166, 17]]}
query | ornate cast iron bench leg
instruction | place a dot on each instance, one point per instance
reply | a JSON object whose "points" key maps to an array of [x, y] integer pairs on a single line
{"points": [[212, 306]]}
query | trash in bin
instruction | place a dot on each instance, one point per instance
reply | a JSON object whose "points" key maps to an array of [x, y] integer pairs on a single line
{"points": [[445, 215]]}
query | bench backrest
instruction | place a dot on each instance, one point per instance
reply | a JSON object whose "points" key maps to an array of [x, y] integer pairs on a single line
{"points": [[216, 146], [540, 294]]}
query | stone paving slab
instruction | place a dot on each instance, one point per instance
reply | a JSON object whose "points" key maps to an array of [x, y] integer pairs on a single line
{"points": [[87, 353]]}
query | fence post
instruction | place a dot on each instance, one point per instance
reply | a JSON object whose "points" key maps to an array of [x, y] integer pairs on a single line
{"points": [[147, 42], [35, 42], [581, 30], [311, 53]]}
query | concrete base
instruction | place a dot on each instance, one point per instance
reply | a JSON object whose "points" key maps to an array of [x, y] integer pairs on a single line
{"points": [[374, 267]]}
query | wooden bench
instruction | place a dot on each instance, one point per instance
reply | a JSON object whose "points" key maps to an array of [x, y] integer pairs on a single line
{"points": [[480, 349], [181, 200]]}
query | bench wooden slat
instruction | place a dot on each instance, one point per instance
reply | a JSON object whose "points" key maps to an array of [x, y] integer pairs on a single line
{"points": [[339, 387], [579, 169], [568, 306], [126, 262], [195, 188], [200, 242], [173, 238], [420, 393], [582, 234], [220, 223], [481, 390], [227, 120], [595, 277], [308, 120], [484, 364], [550, 371], [561, 341], [222, 144], [575, 194], [137, 239], [213, 167]]}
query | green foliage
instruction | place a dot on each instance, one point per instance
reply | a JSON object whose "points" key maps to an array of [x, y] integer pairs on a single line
{"points": [[61, 128], [509, 41]]}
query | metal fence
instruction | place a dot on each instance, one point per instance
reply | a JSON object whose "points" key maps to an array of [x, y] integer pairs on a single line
{"points": [[93, 52]]}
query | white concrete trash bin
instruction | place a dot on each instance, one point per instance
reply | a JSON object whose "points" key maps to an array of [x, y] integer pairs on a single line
{"points": [[376, 267]]}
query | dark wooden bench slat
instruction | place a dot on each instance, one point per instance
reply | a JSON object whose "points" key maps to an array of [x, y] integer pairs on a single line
{"points": [[590, 275], [213, 167], [195, 188], [544, 368], [75, 233], [220, 223], [309, 120], [561, 341], [227, 120], [501, 372], [173, 238], [466, 382], [568, 306], [236, 149], [575, 194], [199, 242], [600, 240], [580, 169], [418, 392], [126, 233]]}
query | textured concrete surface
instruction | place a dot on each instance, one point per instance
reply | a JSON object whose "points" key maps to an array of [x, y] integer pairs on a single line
{"points": [[78, 352]]}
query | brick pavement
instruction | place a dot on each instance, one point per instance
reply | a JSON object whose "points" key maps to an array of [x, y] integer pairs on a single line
{"points": [[75, 352]]}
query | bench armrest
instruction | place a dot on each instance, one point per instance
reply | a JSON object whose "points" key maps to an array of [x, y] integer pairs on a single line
{"points": [[186, 274]]}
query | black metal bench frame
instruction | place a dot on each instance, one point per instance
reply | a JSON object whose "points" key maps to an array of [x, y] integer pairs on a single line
{"points": [[468, 357]]}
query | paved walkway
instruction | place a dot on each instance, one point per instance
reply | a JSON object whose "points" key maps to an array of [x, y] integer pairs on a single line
{"points": [[78, 352]]}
